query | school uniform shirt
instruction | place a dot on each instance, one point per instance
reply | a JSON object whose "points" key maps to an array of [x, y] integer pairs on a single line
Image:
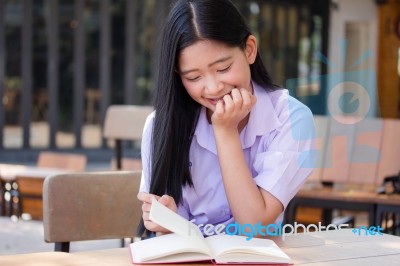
{"points": [[278, 144]]}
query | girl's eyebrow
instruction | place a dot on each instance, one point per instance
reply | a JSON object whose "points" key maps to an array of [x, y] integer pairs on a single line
{"points": [[223, 59]]}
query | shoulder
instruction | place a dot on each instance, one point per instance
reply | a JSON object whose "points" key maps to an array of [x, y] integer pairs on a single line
{"points": [[286, 105], [294, 116], [148, 125], [282, 111], [150, 118]]}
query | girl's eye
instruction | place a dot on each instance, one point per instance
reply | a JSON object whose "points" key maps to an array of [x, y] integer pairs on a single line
{"points": [[193, 79], [225, 69]]}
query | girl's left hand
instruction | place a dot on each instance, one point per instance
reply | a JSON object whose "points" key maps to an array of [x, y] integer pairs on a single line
{"points": [[233, 108], [165, 200]]}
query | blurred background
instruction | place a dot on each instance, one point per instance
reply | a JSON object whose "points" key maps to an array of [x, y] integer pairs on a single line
{"points": [[62, 63]]}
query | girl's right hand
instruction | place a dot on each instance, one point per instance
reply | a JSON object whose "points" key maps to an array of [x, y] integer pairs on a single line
{"points": [[165, 200], [233, 109]]}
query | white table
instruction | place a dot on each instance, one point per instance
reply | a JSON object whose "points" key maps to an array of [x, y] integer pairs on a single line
{"points": [[9, 172], [319, 248]]}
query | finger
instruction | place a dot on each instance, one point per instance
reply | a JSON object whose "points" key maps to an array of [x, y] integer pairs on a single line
{"points": [[146, 207], [237, 98], [143, 196], [146, 197], [219, 108], [155, 227], [151, 226], [165, 200], [247, 101], [229, 105], [253, 100], [145, 216], [252, 97]]}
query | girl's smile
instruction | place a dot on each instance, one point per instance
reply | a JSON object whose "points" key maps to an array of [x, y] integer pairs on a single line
{"points": [[214, 101]]}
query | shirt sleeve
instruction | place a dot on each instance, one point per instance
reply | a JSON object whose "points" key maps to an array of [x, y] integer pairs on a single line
{"points": [[183, 209], [145, 153], [286, 157]]}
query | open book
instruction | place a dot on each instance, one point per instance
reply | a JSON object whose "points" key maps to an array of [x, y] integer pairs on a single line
{"points": [[187, 244]]}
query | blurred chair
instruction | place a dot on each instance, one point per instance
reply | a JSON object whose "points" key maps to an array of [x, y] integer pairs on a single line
{"points": [[30, 190], [125, 122], [29, 196], [67, 161], [127, 164], [8, 189], [90, 206]]}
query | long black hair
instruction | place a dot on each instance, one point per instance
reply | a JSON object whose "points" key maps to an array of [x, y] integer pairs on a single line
{"points": [[176, 112]]}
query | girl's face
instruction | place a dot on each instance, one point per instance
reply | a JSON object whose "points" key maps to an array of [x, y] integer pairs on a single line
{"points": [[209, 70]]}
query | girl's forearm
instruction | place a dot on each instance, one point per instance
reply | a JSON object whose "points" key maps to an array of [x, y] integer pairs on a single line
{"points": [[244, 196]]}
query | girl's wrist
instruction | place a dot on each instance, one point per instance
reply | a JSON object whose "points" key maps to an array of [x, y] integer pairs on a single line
{"points": [[224, 129], [226, 134]]}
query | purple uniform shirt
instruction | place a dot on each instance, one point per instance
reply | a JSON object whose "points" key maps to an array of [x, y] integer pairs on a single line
{"points": [[278, 144]]}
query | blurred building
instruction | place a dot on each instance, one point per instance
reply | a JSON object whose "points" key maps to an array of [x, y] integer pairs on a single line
{"points": [[62, 63]]}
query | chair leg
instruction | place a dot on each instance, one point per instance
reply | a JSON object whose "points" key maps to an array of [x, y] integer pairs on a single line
{"points": [[3, 205], [10, 206], [118, 153], [326, 216], [61, 246], [3, 199], [16, 208]]}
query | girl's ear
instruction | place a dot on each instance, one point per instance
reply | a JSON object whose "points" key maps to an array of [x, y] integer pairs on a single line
{"points": [[251, 49]]}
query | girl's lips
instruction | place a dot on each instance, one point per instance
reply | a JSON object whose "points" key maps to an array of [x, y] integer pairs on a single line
{"points": [[213, 101]]}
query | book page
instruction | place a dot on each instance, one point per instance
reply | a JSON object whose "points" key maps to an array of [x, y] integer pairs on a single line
{"points": [[172, 221], [228, 248], [166, 248]]}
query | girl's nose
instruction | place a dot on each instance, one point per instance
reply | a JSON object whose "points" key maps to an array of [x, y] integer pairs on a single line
{"points": [[213, 86]]}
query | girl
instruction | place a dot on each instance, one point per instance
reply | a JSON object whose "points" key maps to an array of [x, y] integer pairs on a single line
{"points": [[224, 144]]}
